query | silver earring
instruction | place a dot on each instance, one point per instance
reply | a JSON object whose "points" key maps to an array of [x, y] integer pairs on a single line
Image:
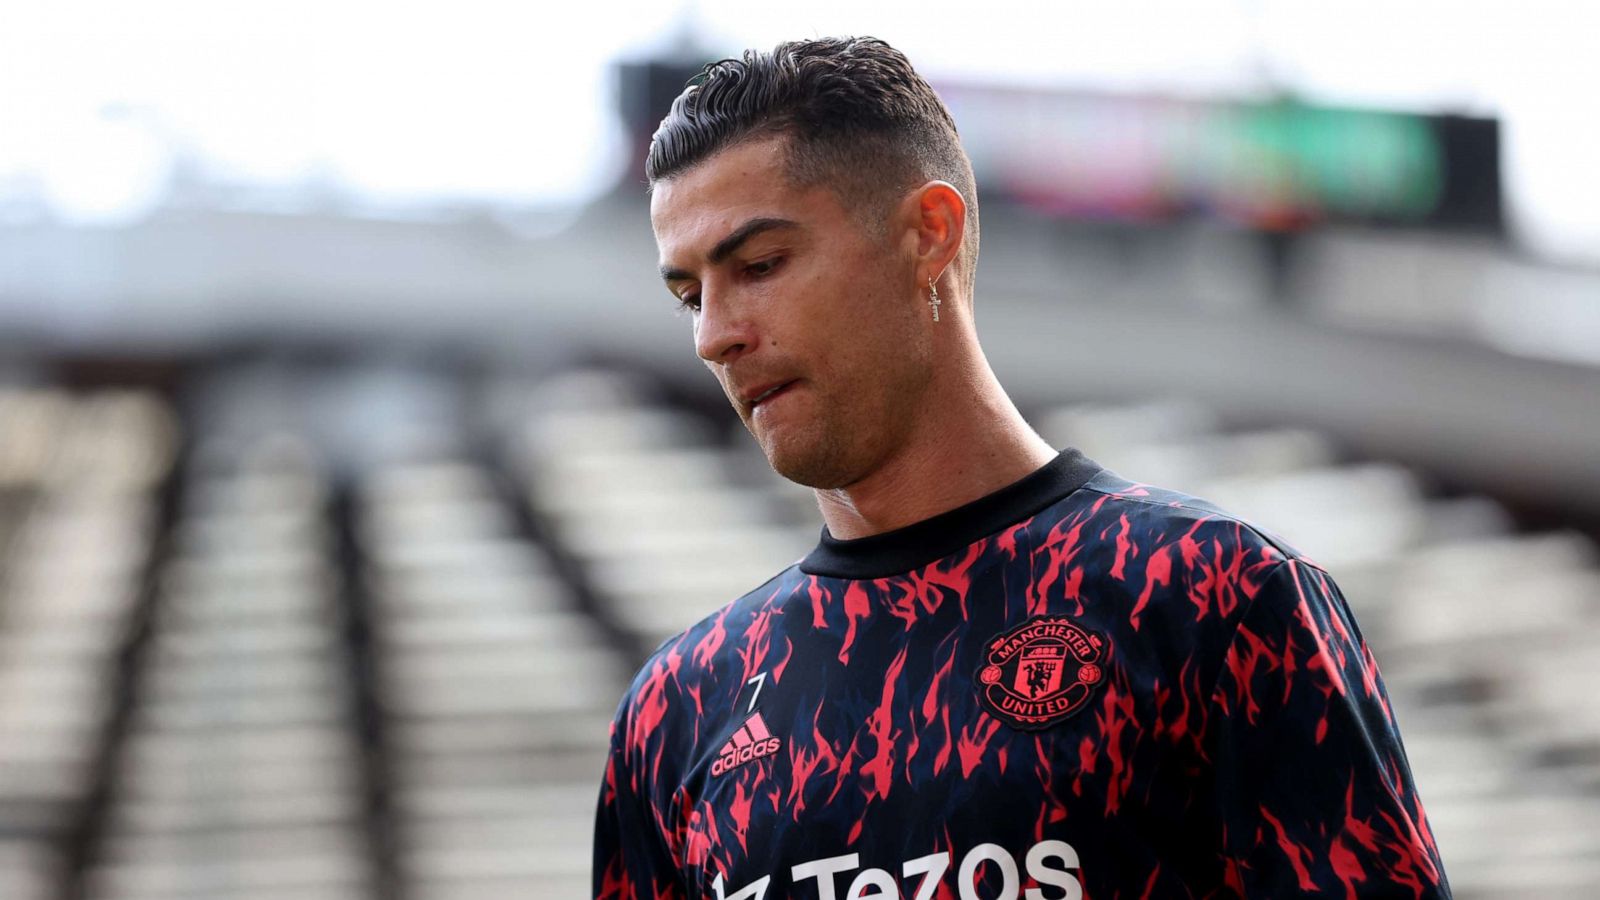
{"points": [[933, 299]]}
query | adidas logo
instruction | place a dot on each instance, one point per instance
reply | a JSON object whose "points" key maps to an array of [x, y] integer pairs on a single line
{"points": [[751, 741]]}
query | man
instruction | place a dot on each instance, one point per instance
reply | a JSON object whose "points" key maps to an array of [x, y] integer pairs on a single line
{"points": [[1004, 671]]}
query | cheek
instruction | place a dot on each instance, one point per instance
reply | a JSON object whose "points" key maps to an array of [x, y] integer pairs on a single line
{"points": [[878, 350], [850, 321]]}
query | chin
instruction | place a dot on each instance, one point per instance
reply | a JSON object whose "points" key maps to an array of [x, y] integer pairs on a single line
{"points": [[819, 464]]}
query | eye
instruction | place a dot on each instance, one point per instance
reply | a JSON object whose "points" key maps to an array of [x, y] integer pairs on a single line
{"points": [[690, 302], [764, 267]]}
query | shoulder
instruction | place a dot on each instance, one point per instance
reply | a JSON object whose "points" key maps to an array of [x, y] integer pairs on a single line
{"points": [[1218, 589], [697, 672], [1133, 532], [1162, 514], [1265, 597], [710, 641], [1171, 557]]}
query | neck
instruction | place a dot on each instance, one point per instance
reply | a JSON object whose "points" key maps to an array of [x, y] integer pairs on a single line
{"points": [[972, 443]]}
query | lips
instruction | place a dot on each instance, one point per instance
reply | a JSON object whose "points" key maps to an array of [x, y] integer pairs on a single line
{"points": [[763, 392], [769, 393]]}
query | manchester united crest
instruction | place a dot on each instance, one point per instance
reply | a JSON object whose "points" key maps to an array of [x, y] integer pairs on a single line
{"points": [[1042, 671]]}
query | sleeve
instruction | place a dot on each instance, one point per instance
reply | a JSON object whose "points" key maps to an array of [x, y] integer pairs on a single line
{"points": [[631, 860], [1315, 792]]}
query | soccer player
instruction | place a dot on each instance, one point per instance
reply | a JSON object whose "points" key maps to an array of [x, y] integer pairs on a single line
{"points": [[1004, 671]]}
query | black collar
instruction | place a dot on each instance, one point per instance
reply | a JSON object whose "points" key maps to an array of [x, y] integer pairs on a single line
{"points": [[915, 545]]}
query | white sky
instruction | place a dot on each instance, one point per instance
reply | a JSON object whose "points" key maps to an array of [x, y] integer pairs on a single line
{"points": [[406, 104]]}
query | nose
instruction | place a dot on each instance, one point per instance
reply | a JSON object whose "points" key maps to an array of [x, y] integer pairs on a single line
{"points": [[722, 332]]}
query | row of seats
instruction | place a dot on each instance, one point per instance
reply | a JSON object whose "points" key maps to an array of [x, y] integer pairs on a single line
{"points": [[240, 776], [497, 690], [79, 501], [644, 494]]}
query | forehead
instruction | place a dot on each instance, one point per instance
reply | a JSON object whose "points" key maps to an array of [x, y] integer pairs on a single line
{"points": [[691, 211]]}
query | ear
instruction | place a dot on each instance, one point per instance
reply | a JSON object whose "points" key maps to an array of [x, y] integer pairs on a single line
{"points": [[941, 223]]}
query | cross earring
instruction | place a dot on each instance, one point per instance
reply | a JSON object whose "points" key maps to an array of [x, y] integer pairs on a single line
{"points": [[933, 299]]}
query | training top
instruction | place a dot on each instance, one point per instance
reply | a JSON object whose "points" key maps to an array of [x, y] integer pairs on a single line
{"points": [[1076, 686]]}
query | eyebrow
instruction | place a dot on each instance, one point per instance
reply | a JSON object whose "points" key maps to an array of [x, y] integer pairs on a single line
{"points": [[726, 247]]}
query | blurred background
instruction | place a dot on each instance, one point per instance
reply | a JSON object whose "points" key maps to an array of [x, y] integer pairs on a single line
{"points": [[352, 458]]}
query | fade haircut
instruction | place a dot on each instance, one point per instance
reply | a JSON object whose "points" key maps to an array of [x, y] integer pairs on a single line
{"points": [[858, 118]]}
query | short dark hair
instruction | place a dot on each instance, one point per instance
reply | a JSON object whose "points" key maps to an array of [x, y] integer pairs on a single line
{"points": [[858, 117]]}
